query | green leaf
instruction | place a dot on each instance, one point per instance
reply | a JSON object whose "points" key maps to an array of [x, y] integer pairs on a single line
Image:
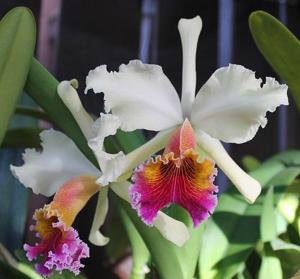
{"points": [[41, 86], [289, 255], [117, 247], [29, 271], [22, 138], [140, 253], [280, 48], [32, 112], [234, 229], [169, 260], [268, 219], [278, 244], [250, 163], [17, 41], [270, 268], [130, 141]]}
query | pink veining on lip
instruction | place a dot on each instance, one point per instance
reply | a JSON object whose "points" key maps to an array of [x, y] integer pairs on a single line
{"points": [[175, 177]]}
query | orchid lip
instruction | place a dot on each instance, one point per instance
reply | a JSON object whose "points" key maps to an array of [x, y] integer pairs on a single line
{"points": [[175, 177]]}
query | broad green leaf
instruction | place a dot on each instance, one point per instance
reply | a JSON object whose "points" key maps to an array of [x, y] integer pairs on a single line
{"points": [[233, 230], [297, 221], [117, 247], [140, 253], [289, 255], [278, 244], [270, 268], [17, 41], [288, 206], [170, 260], [22, 138], [280, 48], [130, 141], [32, 112], [41, 86], [268, 230]]}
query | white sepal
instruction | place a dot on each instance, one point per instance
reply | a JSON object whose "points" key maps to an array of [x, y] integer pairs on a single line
{"points": [[60, 160], [70, 97]]}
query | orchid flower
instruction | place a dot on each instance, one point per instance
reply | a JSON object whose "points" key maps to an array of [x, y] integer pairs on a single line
{"points": [[61, 169], [229, 107]]}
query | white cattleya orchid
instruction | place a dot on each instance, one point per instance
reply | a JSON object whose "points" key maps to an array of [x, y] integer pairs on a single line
{"points": [[230, 106], [50, 171]]}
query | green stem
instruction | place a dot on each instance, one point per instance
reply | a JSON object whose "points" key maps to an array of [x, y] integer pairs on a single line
{"points": [[32, 112], [140, 252]]}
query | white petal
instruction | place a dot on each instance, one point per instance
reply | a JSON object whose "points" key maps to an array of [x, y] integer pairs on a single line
{"points": [[248, 186], [111, 165], [95, 235], [60, 160], [189, 30], [139, 94], [232, 105], [171, 229], [70, 97]]}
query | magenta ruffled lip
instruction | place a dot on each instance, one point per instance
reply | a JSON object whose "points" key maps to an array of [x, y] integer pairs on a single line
{"points": [[62, 251], [155, 187]]}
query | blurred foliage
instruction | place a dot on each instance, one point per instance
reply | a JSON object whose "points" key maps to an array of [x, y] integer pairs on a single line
{"points": [[250, 163], [17, 41], [237, 230]]}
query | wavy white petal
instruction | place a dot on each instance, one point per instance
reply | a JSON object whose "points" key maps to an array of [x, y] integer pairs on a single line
{"points": [[139, 94], [232, 105], [60, 160], [111, 165]]}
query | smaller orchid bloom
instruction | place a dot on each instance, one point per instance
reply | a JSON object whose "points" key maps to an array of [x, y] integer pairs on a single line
{"points": [[229, 107], [60, 247], [178, 176]]}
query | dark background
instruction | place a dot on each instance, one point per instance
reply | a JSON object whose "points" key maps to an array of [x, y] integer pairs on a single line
{"points": [[89, 33]]}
